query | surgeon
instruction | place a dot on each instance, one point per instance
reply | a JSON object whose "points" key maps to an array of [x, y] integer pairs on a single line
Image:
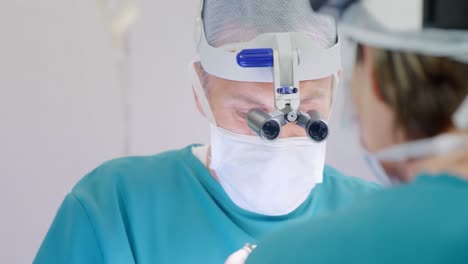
{"points": [[410, 91], [264, 78]]}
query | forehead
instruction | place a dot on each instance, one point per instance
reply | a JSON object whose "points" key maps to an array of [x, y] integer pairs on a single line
{"points": [[256, 90]]}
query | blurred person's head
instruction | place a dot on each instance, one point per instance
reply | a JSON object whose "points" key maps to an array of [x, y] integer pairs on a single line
{"points": [[403, 96], [413, 96], [409, 84]]}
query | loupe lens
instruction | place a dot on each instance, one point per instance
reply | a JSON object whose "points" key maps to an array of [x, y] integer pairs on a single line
{"points": [[263, 124], [270, 130], [317, 131]]}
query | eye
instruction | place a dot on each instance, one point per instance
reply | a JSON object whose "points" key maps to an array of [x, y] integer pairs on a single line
{"points": [[242, 114]]}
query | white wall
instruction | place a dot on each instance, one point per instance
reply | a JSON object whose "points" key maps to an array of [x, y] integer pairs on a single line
{"points": [[61, 111], [163, 110]]}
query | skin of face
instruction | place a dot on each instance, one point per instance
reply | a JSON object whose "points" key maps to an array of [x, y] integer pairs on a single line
{"points": [[376, 119], [230, 102]]}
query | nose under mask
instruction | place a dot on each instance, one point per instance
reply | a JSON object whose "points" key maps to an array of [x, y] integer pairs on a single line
{"points": [[270, 178]]}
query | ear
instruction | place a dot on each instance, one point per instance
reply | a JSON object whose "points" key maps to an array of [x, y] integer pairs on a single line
{"points": [[198, 71], [376, 87], [197, 102], [369, 65], [334, 87], [339, 75]]}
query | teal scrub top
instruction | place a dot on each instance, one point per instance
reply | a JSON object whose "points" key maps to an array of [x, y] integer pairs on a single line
{"points": [[422, 222], [168, 208]]}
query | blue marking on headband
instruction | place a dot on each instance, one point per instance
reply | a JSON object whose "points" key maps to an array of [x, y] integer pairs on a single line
{"points": [[255, 58], [287, 90]]}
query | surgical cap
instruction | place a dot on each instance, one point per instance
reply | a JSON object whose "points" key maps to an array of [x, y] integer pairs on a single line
{"points": [[235, 21], [360, 25]]}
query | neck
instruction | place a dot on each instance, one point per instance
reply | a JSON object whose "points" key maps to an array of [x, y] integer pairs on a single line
{"points": [[455, 163]]}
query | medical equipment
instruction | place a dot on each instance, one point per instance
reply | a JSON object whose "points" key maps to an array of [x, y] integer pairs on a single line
{"points": [[268, 126], [284, 58], [239, 257], [118, 17]]}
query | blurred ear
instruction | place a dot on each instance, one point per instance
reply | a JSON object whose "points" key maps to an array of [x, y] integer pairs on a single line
{"points": [[197, 102], [369, 65], [198, 70], [376, 87], [339, 74]]}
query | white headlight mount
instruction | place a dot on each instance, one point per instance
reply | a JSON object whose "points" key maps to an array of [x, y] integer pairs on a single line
{"points": [[284, 59]]}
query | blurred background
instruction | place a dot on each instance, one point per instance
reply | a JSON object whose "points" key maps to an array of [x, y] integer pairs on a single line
{"points": [[76, 91]]}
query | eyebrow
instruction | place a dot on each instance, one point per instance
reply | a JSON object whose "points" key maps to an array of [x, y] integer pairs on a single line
{"points": [[249, 99]]}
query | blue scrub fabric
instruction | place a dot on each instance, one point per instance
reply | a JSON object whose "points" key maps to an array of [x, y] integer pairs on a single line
{"points": [[168, 208], [423, 222]]}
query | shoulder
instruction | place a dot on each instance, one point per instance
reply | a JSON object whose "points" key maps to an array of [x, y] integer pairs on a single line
{"points": [[335, 178], [338, 190], [129, 174], [397, 217]]}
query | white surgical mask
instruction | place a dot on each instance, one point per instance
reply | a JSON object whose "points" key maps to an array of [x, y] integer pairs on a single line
{"points": [[270, 178], [436, 146]]}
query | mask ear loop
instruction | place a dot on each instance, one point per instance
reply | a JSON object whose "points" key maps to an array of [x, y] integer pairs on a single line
{"points": [[200, 92]]}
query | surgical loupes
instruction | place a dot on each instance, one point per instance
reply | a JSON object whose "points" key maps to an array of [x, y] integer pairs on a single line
{"points": [[284, 59]]}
